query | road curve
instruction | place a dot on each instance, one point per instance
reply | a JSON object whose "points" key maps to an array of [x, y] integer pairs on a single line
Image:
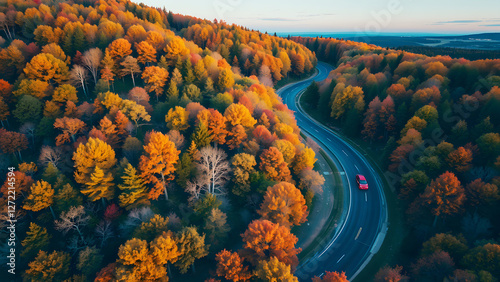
{"points": [[362, 229]]}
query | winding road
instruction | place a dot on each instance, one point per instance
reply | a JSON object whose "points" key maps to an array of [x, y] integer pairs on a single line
{"points": [[363, 224]]}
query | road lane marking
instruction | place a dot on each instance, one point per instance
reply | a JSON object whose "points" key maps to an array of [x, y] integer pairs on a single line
{"points": [[341, 258], [366, 197], [316, 130], [356, 167], [328, 139], [345, 153], [361, 228]]}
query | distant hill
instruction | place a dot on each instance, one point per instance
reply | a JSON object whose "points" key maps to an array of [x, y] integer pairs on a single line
{"points": [[484, 41]]}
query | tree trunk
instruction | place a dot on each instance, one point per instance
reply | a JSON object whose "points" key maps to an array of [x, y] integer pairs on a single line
{"points": [[52, 211], [168, 271], [133, 80], [435, 221], [194, 271], [20, 156], [103, 203], [164, 186]]}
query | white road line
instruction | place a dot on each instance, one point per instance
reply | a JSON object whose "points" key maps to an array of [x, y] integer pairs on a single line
{"points": [[366, 197], [356, 167], [328, 139], [345, 153], [316, 130], [341, 258], [361, 228]]}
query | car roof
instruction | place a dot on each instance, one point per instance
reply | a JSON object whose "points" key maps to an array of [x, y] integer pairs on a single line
{"points": [[361, 177]]}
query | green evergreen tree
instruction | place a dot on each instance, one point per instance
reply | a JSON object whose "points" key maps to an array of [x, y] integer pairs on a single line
{"points": [[37, 239], [184, 170], [201, 136]]}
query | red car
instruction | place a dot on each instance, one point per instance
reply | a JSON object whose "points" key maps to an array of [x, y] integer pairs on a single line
{"points": [[362, 183]]}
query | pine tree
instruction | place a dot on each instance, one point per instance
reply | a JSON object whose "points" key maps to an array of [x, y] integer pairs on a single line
{"points": [[134, 190], [37, 239], [100, 186], [184, 170], [201, 137], [193, 151], [49, 267]]}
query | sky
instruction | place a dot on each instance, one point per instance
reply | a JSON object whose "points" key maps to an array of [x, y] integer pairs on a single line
{"points": [[336, 16]]}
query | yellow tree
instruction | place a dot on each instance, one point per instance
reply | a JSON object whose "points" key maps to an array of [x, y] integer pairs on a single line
{"points": [[46, 67], [138, 261], [134, 190], [243, 166], [191, 246], [304, 159], [134, 111], [286, 148], [237, 114], [225, 79], [157, 165], [155, 78], [177, 119], [64, 93], [49, 267], [175, 48], [41, 197], [274, 270], [95, 153], [345, 99], [100, 186], [284, 204]]}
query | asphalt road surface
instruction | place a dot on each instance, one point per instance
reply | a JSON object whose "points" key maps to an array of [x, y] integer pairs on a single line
{"points": [[362, 229]]}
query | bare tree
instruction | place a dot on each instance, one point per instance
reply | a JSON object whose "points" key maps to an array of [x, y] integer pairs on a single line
{"points": [[104, 231], [50, 155], [29, 130], [76, 243], [78, 77], [75, 218], [4, 24], [311, 179], [195, 187], [176, 137], [214, 167], [131, 67], [91, 59], [135, 218]]}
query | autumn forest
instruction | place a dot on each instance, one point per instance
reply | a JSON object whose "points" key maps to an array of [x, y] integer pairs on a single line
{"points": [[141, 145]]}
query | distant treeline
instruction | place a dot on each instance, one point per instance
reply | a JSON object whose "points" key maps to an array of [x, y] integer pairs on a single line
{"points": [[456, 53]]}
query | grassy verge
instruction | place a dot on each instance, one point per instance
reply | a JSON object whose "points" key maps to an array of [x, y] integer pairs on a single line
{"points": [[329, 227], [390, 252]]}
